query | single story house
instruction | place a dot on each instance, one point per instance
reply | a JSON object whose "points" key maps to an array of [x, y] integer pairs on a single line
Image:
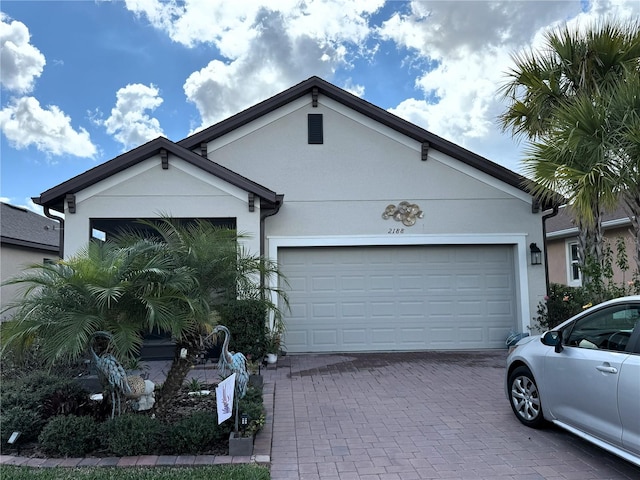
{"points": [[26, 238], [562, 245], [390, 237]]}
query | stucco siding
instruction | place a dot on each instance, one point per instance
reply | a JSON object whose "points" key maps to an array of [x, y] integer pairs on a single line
{"points": [[148, 191], [557, 251], [13, 261], [338, 190]]}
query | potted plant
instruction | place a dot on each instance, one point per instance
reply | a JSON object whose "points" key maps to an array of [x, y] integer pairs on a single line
{"points": [[273, 345]]}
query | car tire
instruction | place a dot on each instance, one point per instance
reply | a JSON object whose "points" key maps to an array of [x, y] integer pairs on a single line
{"points": [[524, 398]]}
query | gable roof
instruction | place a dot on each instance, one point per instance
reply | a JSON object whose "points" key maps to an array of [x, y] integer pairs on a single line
{"points": [[54, 197], [24, 228], [378, 114]]}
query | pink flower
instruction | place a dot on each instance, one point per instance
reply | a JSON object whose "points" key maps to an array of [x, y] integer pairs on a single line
{"points": [[565, 298], [546, 297]]}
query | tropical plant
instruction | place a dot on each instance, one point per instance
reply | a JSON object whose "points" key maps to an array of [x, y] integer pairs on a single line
{"points": [[576, 101], [168, 277], [225, 272], [126, 290]]}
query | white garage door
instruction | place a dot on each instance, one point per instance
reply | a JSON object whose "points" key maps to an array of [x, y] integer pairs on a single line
{"points": [[350, 299]]}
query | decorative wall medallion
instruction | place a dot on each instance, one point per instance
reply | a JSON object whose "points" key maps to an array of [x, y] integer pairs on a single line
{"points": [[405, 212]]}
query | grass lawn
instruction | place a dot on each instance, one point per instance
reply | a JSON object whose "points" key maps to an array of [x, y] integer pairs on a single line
{"points": [[218, 472]]}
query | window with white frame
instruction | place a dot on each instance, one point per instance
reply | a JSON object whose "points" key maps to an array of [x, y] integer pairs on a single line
{"points": [[574, 276]]}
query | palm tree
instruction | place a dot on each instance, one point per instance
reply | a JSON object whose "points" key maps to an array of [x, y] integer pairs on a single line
{"points": [[123, 290], [625, 139], [172, 280], [224, 271], [562, 98]]}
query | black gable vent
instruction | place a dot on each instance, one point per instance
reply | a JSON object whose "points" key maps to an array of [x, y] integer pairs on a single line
{"points": [[315, 128]]}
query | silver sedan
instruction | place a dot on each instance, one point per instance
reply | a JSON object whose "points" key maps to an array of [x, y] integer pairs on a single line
{"points": [[584, 376]]}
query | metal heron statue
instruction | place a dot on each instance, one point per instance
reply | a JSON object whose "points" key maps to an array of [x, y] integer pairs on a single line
{"points": [[236, 363], [110, 373], [233, 361]]}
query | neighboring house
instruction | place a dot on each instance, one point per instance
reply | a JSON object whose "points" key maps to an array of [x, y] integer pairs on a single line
{"points": [[390, 237], [562, 245], [26, 238]]}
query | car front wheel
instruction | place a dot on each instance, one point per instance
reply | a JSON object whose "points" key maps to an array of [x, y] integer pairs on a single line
{"points": [[525, 397]]}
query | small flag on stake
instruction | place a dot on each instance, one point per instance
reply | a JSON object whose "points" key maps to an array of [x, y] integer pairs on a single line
{"points": [[224, 397]]}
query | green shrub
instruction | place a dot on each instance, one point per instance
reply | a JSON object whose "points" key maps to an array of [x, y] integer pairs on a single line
{"points": [[69, 436], [19, 419], [564, 302], [133, 434], [194, 434], [44, 393], [67, 398], [246, 321], [560, 304]]}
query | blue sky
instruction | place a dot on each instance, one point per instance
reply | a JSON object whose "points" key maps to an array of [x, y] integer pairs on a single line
{"points": [[83, 81]]}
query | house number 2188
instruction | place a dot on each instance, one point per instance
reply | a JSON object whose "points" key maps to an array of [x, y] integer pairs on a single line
{"points": [[396, 230]]}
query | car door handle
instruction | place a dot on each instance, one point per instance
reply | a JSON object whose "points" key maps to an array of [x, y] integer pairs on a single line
{"points": [[607, 369]]}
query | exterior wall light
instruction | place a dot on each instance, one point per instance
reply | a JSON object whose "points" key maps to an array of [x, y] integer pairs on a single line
{"points": [[536, 254]]}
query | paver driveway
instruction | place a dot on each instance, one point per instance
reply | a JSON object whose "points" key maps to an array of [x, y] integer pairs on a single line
{"points": [[413, 416]]}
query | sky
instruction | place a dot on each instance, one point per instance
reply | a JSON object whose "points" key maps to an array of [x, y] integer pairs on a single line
{"points": [[84, 81]]}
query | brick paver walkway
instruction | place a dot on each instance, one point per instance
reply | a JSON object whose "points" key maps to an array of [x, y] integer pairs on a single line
{"points": [[416, 416]]}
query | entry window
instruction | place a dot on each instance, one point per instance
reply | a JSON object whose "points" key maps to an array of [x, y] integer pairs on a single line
{"points": [[574, 276]]}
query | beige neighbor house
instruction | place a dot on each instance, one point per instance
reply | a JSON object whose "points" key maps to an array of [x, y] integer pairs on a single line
{"points": [[562, 245], [26, 239], [391, 238]]}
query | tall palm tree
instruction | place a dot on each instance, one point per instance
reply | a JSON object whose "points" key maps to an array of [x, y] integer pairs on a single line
{"points": [[625, 139], [561, 99]]}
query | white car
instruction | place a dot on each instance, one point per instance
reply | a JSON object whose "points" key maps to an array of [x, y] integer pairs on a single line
{"points": [[584, 376]]}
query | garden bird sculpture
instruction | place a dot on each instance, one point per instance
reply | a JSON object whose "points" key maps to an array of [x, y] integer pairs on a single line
{"points": [[235, 362], [113, 377]]}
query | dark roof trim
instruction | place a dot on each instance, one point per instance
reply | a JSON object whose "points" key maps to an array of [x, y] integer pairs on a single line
{"points": [[27, 244], [361, 106], [54, 197]]}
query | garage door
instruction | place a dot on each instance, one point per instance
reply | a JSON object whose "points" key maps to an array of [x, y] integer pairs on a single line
{"points": [[350, 299]]}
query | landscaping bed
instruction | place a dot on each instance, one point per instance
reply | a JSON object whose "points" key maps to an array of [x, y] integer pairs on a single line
{"points": [[56, 418]]}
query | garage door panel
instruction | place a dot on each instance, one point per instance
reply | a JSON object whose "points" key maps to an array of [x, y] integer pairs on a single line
{"points": [[398, 298], [354, 337], [497, 308], [354, 311], [470, 335], [324, 338], [352, 283]]}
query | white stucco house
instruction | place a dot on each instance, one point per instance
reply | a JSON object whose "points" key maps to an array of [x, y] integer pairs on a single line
{"points": [[391, 238]]}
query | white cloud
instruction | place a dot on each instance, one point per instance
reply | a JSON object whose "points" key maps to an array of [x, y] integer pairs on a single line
{"points": [[266, 46], [353, 88], [20, 62], [471, 43], [25, 123], [128, 123]]}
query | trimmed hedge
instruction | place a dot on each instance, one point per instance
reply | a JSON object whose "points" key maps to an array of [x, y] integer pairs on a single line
{"points": [[133, 434], [69, 436], [246, 321], [19, 419], [194, 434]]}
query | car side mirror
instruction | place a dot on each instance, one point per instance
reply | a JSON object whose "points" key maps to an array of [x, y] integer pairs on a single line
{"points": [[553, 339]]}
